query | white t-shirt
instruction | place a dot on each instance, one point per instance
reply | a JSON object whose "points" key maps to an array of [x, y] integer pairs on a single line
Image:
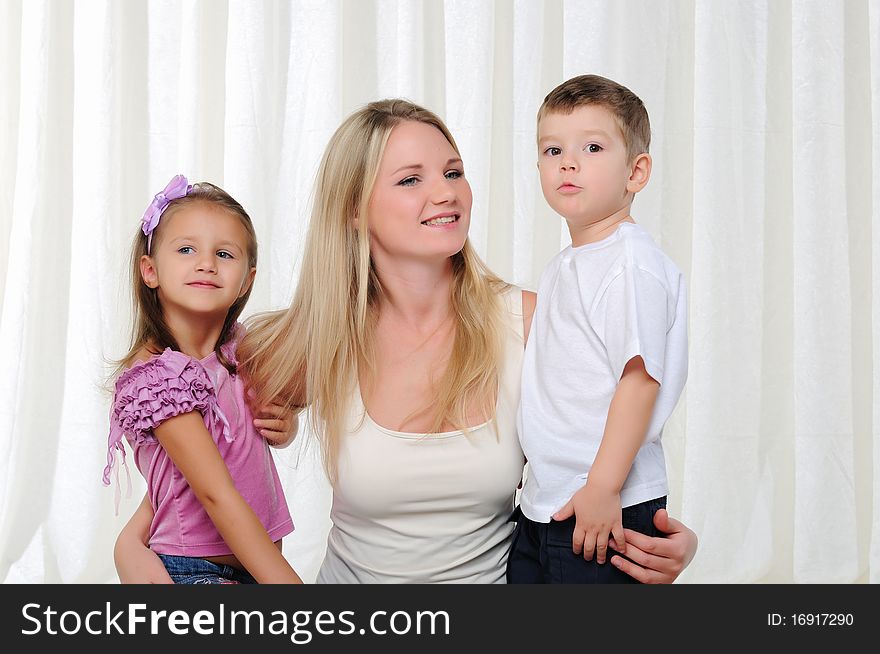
{"points": [[411, 508], [599, 305]]}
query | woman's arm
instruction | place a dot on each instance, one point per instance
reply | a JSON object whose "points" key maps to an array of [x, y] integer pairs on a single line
{"points": [[135, 562], [658, 560], [191, 448]]}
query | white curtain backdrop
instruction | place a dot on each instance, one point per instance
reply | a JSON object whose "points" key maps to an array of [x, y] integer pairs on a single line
{"points": [[765, 191]]}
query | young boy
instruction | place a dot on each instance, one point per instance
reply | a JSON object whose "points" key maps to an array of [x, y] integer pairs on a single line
{"points": [[606, 358]]}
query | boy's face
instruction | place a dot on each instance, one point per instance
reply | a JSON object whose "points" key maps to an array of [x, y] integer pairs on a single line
{"points": [[582, 160]]}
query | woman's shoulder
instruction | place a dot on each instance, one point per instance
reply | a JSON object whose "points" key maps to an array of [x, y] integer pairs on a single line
{"points": [[521, 303]]}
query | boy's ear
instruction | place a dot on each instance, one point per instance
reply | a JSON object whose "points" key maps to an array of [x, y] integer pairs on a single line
{"points": [[640, 173], [248, 281], [148, 272]]}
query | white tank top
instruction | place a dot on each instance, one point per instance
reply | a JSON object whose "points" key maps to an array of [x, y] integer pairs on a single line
{"points": [[410, 508]]}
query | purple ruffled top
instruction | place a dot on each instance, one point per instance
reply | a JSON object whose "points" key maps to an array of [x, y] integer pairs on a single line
{"points": [[171, 384]]}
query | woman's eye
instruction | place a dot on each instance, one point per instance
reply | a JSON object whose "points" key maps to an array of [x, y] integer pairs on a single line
{"points": [[454, 174], [553, 151], [408, 181]]}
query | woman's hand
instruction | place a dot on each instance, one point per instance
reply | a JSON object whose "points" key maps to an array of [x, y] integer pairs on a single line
{"points": [[658, 560], [135, 562], [277, 424]]}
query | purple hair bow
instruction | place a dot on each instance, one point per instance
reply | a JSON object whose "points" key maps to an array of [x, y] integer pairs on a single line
{"points": [[178, 187]]}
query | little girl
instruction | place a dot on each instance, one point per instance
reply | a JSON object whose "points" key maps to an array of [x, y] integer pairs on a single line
{"points": [[219, 510]]}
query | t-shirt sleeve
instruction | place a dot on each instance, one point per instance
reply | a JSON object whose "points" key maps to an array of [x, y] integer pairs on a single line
{"points": [[632, 317], [149, 393]]}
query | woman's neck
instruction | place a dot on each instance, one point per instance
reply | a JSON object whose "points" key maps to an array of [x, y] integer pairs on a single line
{"points": [[196, 336], [416, 294]]}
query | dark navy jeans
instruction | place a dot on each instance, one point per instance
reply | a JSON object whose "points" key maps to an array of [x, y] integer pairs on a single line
{"points": [[192, 570], [541, 552]]}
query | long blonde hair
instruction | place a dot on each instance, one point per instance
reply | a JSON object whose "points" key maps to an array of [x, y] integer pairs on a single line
{"points": [[310, 354]]}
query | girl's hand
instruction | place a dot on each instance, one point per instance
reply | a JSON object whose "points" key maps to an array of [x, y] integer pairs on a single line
{"points": [[277, 424], [658, 560]]}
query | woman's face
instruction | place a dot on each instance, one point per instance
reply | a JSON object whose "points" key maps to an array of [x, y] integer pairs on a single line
{"points": [[420, 207]]}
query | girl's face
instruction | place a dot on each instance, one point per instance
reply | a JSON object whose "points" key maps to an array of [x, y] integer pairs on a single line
{"points": [[199, 261], [420, 207]]}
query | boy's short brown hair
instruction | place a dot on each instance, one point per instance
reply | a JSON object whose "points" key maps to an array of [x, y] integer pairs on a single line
{"points": [[628, 110]]}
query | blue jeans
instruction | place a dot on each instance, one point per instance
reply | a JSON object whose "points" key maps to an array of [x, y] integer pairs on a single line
{"points": [[541, 552], [192, 570]]}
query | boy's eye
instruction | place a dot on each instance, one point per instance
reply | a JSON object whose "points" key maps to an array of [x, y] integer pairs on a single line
{"points": [[408, 181], [553, 151], [223, 254], [186, 249], [593, 148]]}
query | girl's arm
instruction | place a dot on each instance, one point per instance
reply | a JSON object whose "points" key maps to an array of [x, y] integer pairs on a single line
{"points": [[135, 562], [658, 560], [191, 448]]}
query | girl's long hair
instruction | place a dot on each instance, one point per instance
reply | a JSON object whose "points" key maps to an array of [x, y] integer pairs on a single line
{"points": [[311, 353], [149, 329]]}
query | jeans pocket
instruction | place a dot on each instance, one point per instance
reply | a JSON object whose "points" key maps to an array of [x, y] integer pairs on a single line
{"points": [[640, 517]]}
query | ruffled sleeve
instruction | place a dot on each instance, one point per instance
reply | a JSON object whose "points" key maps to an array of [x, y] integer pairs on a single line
{"points": [[151, 392]]}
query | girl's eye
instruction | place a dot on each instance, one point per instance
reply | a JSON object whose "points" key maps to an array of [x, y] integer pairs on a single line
{"points": [[223, 254], [408, 181], [593, 148], [186, 249], [553, 151], [454, 174]]}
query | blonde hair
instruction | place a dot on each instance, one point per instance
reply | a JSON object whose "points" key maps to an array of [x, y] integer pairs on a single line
{"points": [[310, 354], [149, 329], [627, 108]]}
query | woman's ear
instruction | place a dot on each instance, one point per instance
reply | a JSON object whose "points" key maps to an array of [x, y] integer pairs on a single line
{"points": [[640, 173], [148, 272]]}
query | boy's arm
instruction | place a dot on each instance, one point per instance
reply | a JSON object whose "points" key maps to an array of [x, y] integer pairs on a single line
{"points": [[135, 562], [191, 448], [597, 504]]}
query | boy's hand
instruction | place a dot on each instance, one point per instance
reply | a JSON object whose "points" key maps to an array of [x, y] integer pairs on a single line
{"points": [[598, 514], [277, 424]]}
